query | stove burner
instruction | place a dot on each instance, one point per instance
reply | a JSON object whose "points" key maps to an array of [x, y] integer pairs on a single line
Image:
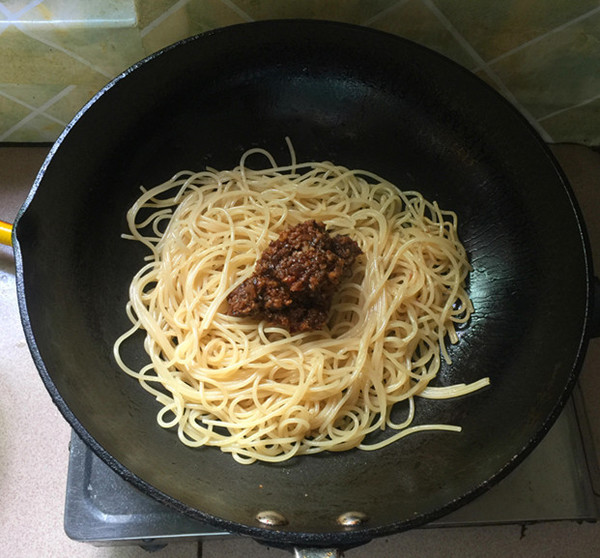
{"points": [[553, 483]]}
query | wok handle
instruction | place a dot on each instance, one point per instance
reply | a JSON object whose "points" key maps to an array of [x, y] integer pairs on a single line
{"points": [[5, 233], [318, 553]]}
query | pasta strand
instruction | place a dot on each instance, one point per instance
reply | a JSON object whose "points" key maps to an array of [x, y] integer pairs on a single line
{"points": [[257, 391]]}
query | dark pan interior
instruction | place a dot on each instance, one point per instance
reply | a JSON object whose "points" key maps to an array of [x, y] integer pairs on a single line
{"points": [[361, 99]]}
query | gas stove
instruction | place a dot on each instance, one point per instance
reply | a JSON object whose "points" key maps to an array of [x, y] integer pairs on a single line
{"points": [[555, 482]]}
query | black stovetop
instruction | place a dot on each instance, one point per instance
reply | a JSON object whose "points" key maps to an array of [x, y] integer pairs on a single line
{"points": [[555, 482]]}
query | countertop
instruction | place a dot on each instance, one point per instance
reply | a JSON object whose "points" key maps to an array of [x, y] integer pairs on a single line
{"points": [[34, 438]]}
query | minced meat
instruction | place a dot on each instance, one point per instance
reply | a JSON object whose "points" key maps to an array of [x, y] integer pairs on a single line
{"points": [[295, 278]]}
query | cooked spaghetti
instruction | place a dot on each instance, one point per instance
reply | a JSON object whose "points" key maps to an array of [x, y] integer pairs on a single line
{"points": [[256, 390]]}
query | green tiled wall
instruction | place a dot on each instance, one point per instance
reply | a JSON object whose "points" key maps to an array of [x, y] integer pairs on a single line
{"points": [[542, 55]]}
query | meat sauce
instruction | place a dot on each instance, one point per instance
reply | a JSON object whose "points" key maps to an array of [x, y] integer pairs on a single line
{"points": [[296, 277]]}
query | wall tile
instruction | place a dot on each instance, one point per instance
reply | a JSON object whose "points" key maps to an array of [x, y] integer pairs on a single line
{"points": [[33, 94], [580, 124], [150, 10], [190, 19], [113, 13], [70, 104], [106, 50], [40, 63], [211, 14], [493, 27], [350, 11], [14, 6], [545, 54], [11, 113], [166, 31], [39, 128], [560, 70], [413, 20]]}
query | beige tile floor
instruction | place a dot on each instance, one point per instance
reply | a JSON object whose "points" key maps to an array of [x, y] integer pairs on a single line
{"points": [[34, 440]]}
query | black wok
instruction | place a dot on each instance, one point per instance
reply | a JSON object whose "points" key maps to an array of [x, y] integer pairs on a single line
{"points": [[361, 99]]}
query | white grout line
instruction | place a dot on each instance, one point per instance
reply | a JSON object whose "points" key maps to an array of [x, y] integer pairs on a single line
{"points": [[38, 111], [10, 17], [14, 16], [454, 32], [237, 10], [485, 68], [545, 35], [162, 17], [65, 51], [577, 105], [383, 13], [28, 106]]}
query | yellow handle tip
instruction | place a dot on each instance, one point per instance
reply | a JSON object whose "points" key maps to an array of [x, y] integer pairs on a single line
{"points": [[5, 233]]}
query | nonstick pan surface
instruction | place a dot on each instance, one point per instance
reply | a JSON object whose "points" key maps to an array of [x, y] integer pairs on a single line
{"points": [[362, 99]]}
